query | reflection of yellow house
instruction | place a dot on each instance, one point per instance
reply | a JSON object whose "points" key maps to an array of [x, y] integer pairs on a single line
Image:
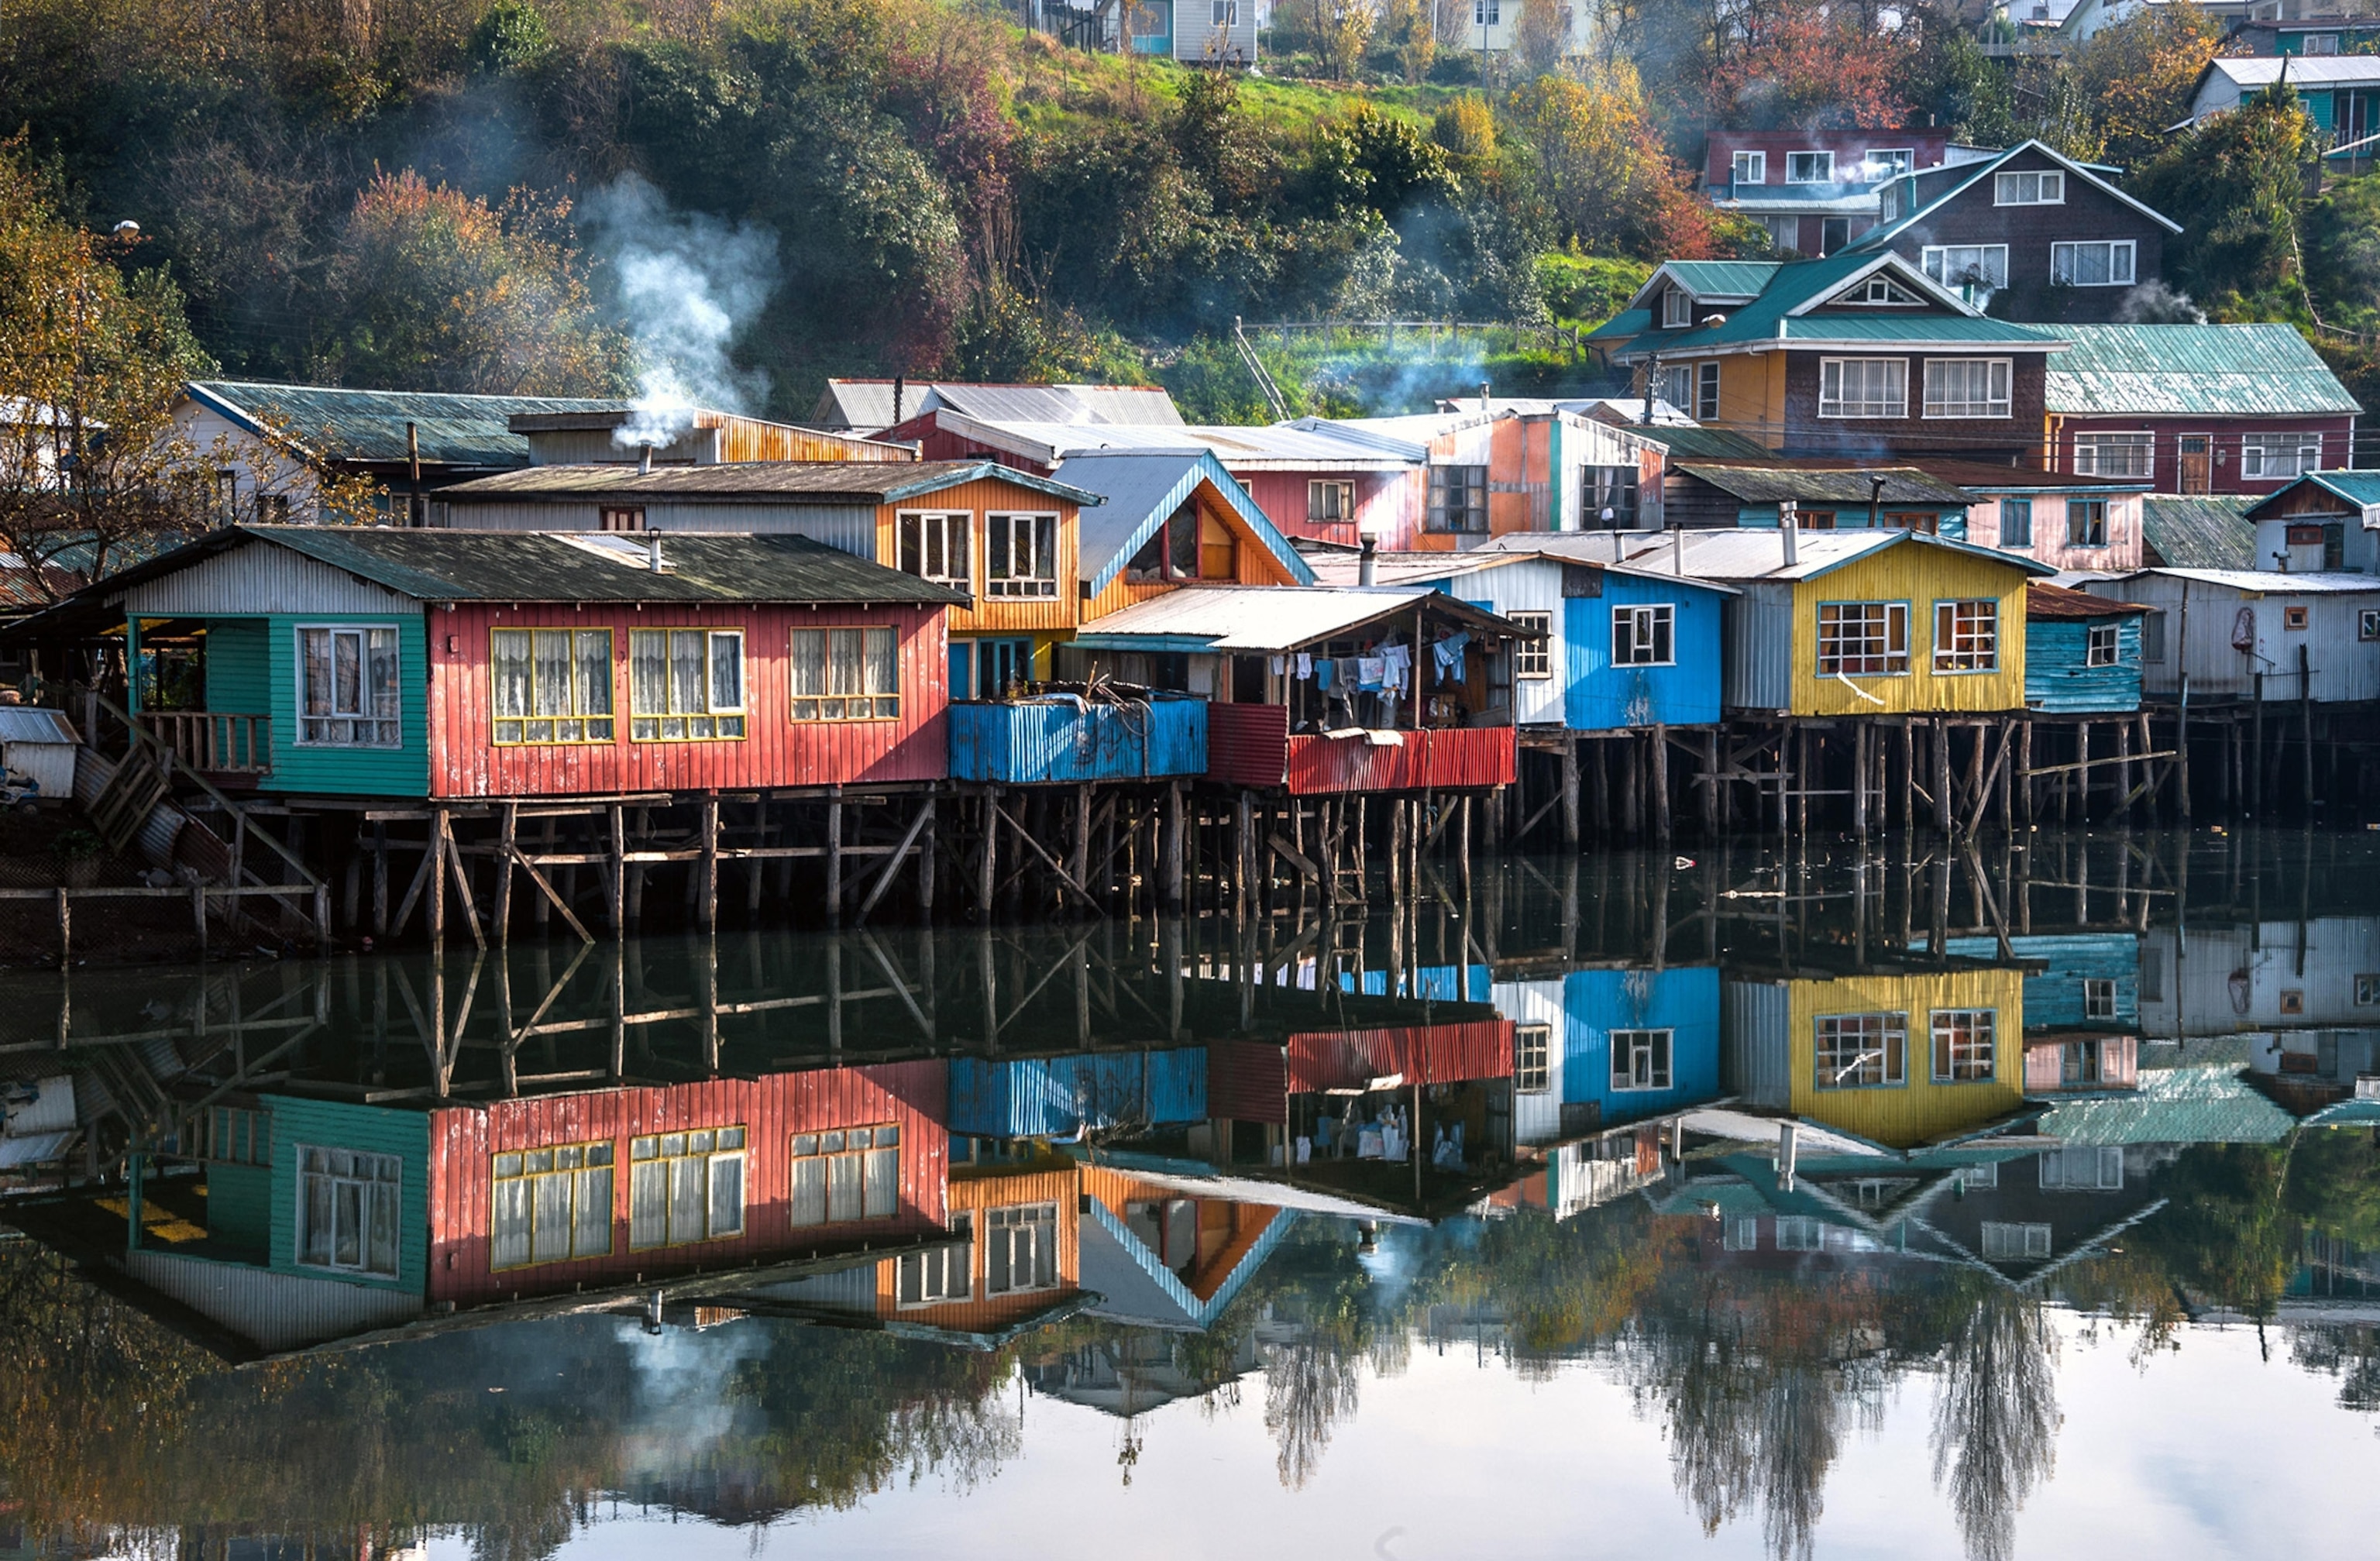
{"points": [[1016, 1254], [1900, 1060]]}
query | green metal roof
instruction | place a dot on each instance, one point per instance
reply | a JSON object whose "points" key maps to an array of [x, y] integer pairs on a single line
{"points": [[1916, 328], [2356, 488], [2261, 371], [1795, 285], [2203, 1103], [368, 426], [1628, 322], [815, 482], [1723, 279], [1705, 444], [2194, 532], [1772, 484]]}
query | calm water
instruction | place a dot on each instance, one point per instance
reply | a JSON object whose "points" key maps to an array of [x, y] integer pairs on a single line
{"points": [[2107, 1286]]}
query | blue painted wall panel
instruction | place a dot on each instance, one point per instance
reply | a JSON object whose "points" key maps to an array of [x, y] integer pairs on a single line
{"points": [[2057, 674], [2058, 999], [1057, 1096], [1037, 743], [1684, 1001], [1602, 697]]}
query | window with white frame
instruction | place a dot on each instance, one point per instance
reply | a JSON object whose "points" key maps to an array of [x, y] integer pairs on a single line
{"points": [[939, 1274], [1020, 555], [1800, 1233], [2106, 263], [685, 1187], [1532, 1059], [846, 674], [2016, 523], [685, 685], [849, 1174], [1863, 638], [2082, 1167], [2114, 454], [1967, 387], [1809, 167], [1965, 1049], [1878, 290], [1861, 1050], [1740, 1233], [938, 547], [1784, 231], [2098, 997], [1534, 658], [2029, 189], [551, 1205], [2318, 43], [1976, 1178], [2005, 1240], [1458, 498], [1020, 1249], [628, 517], [1676, 384], [1677, 308], [551, 685], [1751, 168], [2086, 523], [1967, 635], [1965, 265], [2271, 457], [1887, 162], [348, 687], [1707, 391], [1640, 1059], [348, 1210], [1645, 636], [1327, 503], [1863, 387], [1486, 13], [2100, 644], [1610, 494], [1226, 13]]}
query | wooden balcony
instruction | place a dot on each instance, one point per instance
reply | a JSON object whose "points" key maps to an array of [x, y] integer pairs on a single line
{"points": [[212, 743]]}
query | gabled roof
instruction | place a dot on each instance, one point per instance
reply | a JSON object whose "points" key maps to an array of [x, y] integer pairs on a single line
{"points": [[2201, 1101], [797, 482], [1272, 618], [1768, 484], [1141, 492], [1336, 565], [865, 404], [1716, 281], [2198, 531], [333, 424], [2358, 489], [2259, 371], [1783, 312], [1759, 554], [1882, 234]]}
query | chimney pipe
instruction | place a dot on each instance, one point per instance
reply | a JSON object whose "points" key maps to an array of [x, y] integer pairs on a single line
{"points": [[653, 553], [1367, 569], [1483, 395], [1676, 550], [644, 460], [412, 474], [900, 394], [1789, 521]]}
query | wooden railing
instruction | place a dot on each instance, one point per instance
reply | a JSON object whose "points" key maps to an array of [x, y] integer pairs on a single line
{"points": [[218, 744]]}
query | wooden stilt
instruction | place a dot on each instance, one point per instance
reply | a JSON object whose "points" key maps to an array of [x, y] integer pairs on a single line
{"points": [[380, 880], [1172, 847], [834, 856], [1707, 804], [1860, 737], [617, 886], [507, 844], [1939, 737], [439, 841], [2256, 761], [1662, 782], [1569, 791]]}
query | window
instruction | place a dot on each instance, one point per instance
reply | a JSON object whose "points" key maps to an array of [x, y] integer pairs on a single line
{"points": [[2081, 1062], [2029, 189], [936, 548], [1191, 546], [551, 1205], [2294, 617], [630, 519], [1643, 637], [2004, 1242], [1888, 204], [1327, 503], [2367, 624], [1784, 231], [1486, 13], [2269, 457], [2082, 1169], [1677, 308], [2098, 998], [1966, 387], [848, 1175], [1966, 265], [685, 685], [1532, 1059], [1887, 162], [1751, 168], [347, 694], [1706, 393], [1020, 555], [940, 1274], [552, 685], [1878, 290], [846, 674], [1226, 13], [1863, 387], [1640, 1059], [1534, 659], [227, 494], [1740, 1233], [1612, 502], [2100, 263], [347, 1210], [1861, 1050], [1973, 1178], [1677, 385], [238, 1137], [2016, 523], [2086, 523], [2152, 636], [2293, 1001], [2114, 454], [2100, 642], [685, 1187], [2367, 990], [1965, 1050], [1800, 1233], [1458, 498], [2318, 42], [1809, 167], [1020, 1249], [1863, 638], [1967, 635]]}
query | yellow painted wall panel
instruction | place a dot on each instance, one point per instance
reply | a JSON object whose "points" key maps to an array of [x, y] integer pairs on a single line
{"points": [[1920, 576], [1918, 1111]]}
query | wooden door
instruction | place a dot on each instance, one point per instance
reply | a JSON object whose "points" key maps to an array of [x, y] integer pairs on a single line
{"points": [[2196, 469]]}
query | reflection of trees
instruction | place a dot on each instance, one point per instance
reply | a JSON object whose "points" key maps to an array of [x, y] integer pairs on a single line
{"points": [[1309, 1384], [1995, 1418]]}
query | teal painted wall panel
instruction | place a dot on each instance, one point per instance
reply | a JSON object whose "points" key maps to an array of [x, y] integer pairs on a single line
{"points": [[239, 1205], [401, 771], [237, 682], [2058, 675], [332, 1124]]}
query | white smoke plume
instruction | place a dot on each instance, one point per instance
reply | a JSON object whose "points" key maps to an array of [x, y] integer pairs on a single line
{"points": [[689, 283]]}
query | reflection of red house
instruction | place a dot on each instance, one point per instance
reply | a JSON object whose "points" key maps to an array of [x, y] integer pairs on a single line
{"points": [[1422, 1054]]}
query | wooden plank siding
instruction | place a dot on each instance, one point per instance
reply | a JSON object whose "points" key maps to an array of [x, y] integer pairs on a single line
{"points": [[1388, 503], [1254, 564], [770, 1109], [775, 751], [984, 496], [1920, 576], [378, 1130], [976, 1193]]}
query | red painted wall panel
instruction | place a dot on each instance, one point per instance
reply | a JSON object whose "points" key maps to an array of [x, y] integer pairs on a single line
{"points": [[1388, 503], [775, 750], [1447, 760], [464, 1140], [1247, 1082], [1247, 744], [1425, 1054], [2223, 435]]}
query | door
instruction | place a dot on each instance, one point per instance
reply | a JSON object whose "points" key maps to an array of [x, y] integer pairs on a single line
{"points": [[1001, 663], [962, 669], [2196, 469]]}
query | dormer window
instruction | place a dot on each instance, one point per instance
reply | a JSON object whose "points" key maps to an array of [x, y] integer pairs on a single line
{"points": [[1879, 290], [1677, 308], [1809, 167], [1752, 167]]}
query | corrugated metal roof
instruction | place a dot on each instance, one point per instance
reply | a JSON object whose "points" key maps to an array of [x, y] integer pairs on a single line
{"points": [[2272, 581], [369, 425], [1343, 567], [1987, 476], [2359, 489], [1724, 279], [1769, 485], [1049, 443], [1700, 443], [2206, 1103], [1759, 554], [2043, 599], [2196, 532], [822, 482], [1796, 285], [28, 723], [1937, 329], [867, 403], [2311, 71], [1267, 618], [1141, 492], [1291, 446], [2261, 371]]}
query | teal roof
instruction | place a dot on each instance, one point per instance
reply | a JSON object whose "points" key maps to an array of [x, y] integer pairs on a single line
{"points": [[2187, 531], [1723, 279], [369, 425], [2347, 1114], [2356, 488], [1705, 444], [1916, 328], [2203, 1103], [1796, 285], [1620, 327], [2263, 371]]}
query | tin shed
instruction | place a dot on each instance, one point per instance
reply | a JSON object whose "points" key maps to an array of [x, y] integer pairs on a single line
{"points": [[40, 745], [2225, 627], [2082, 652]]}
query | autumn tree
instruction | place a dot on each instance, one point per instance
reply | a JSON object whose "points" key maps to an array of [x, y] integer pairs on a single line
{"points": [[2239, 180], [1808, 63], [1542, 36], [1601, 168], [2138, 75]]}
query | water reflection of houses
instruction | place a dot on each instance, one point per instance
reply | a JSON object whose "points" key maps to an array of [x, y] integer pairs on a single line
{"points": [[2082, 1006]]}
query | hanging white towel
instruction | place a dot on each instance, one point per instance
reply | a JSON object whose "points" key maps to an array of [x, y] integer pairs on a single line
{"points": [[1304, 665], [1280, 665]]}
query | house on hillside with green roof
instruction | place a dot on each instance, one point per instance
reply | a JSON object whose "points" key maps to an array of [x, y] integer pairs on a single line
{"points": [[1859, 354]]}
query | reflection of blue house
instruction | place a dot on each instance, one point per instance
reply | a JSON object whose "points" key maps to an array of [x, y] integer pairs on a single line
{"points": [[1439, 984], [1600, 1048], [1059, 1096]]}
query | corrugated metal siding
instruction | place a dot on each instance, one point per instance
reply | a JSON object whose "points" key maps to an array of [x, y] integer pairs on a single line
{"points": [[1758, 641], [776, 750], [256, 579], [770, 1109], [332, 1124], [1440, 760], [1247, 744], [1057, 1096], [1425, 1054], [1247, 1081], [1536, 1114], [2343, 667], [275, 1311], [1756, 1060], [1028, 744], [2058, 675], [1684, 1000]]}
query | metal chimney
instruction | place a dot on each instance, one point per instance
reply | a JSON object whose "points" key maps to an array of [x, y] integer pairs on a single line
{"points": [[1367, 569], [653, 553], [1789, 522], [1483, 395], [644, 460]]}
